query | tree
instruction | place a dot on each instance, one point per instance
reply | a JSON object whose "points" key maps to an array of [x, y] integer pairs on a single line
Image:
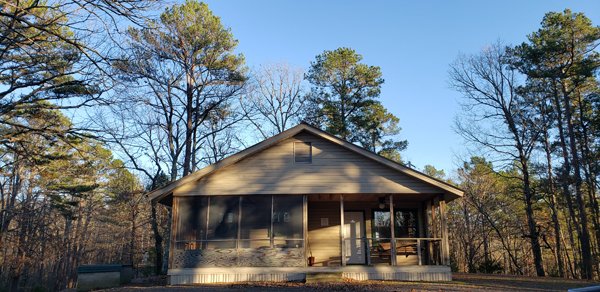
{"points": [[342, 102], [52, 57], [342, 87], [276, 98], [563, 53], [180, 78], [497, 119], [377, 124], [184, 69]]}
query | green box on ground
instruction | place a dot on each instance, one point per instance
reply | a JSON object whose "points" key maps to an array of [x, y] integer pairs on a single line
{"points": [[103, 276]]}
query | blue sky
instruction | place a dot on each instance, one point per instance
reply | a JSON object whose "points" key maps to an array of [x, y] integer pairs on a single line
{"points": [[412, 41]]}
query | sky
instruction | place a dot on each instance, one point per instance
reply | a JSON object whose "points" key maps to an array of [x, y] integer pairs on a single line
{"points": [[413, 42]]}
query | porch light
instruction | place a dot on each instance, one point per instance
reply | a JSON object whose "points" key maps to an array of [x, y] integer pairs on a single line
{"points": [[381, 205]]}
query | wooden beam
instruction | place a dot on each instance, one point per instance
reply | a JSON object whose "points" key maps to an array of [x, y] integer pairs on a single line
{"points": [[343, 242], [239, 234], [174, 219], [419, 251], [436, 251], [428, 233], [393, 241], [305, 227], [445, 244], [272, 236]]}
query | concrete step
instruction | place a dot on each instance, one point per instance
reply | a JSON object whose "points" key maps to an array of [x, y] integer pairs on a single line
{"points": [[324, 277]]}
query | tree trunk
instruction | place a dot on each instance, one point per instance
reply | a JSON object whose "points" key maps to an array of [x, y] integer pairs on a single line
{"points": [[157, 241], [586, 252], [553, 204]]}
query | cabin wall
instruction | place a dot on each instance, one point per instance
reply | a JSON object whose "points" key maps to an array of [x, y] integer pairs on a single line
{"points": [[334, 169], [324, 241]]}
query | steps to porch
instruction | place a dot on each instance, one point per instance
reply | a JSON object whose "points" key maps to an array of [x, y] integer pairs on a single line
{"points": [[324, 277]]}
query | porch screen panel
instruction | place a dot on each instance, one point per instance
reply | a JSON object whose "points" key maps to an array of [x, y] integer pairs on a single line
{"points": [[255, 221], [287, 221], [223, 222], [382, 226], [406, 224], [191, 224]]}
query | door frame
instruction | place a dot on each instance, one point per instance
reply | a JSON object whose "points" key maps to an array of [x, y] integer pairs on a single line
{"points": [[364, 226]]}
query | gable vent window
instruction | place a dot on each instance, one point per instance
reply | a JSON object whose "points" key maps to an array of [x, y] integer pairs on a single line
{"points": [[302, 152]]}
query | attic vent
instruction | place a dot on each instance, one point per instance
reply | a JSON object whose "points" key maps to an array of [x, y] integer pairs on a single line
{"points": [[302, 152]]}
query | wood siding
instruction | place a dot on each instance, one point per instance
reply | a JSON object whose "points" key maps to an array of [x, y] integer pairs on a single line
{"points": [[324, 241], [334, 169]]}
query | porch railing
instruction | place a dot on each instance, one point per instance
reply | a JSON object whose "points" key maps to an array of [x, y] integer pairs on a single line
{"points": [[427, 250]]}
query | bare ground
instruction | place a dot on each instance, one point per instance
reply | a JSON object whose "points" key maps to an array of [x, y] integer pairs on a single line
{"points": [[461, 282]]}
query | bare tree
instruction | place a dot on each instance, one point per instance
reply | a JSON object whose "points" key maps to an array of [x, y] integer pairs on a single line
{"points": [[495, 118], [276, 97]]}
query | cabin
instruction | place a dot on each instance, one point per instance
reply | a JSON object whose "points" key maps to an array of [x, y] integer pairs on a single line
{"points": [[302, 202]]}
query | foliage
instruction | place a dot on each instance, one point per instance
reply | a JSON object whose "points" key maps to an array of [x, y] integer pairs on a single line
{"points": [[181, 77], [342, 102], [490, 267]]}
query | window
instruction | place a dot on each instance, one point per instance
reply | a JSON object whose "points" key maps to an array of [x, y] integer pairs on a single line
{"points": [[264, 221], [255, 222], [223, 221], [405, 224], [381, 226], [287, 221], [191, 226], [302, 152]]}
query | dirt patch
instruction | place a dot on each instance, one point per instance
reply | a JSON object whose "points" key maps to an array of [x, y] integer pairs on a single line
{"points": [[461, 282]]}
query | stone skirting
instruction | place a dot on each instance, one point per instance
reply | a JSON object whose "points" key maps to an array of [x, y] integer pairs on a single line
{"points": [[242, 257]]}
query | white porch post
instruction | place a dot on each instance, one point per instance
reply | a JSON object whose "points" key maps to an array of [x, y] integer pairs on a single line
{"points": [[446, 245], [342, 241], [393, 240]]}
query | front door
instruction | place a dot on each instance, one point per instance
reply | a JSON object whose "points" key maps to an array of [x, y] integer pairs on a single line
{"points": [[353, 234]]}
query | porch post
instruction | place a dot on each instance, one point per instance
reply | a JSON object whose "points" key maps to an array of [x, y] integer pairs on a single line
{"points": [[174, 231], [429, 233], [343, 242], [446, 246], [393, 240], [305, 227], [437, 251]]}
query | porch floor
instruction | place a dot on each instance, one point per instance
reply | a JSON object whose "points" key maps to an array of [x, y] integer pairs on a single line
{"points": [[249, 274]]}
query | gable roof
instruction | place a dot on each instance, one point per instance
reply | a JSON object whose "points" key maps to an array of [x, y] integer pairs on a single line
{"points": [[163, 192]]}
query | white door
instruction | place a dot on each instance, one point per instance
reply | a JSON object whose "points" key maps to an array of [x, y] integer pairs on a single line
{"points": [[353, 234]]}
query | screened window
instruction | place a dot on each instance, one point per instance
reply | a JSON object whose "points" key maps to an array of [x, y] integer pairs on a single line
{"points": [[191, 225], [287, 217], [223, 221], [382, 226], [265, 221], [255, 221], [406, 224], [302, 152]]}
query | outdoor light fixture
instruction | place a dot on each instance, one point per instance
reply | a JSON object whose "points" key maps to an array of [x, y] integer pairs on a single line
{"points": [[381, 202]]}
